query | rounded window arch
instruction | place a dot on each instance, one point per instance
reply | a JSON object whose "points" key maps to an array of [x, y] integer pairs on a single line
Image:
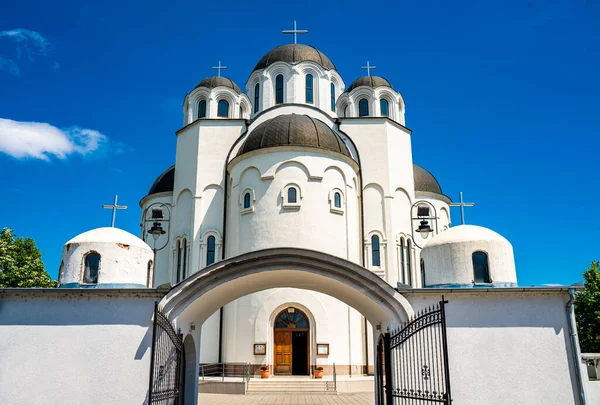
{"points": [[256, 97], [223, 109], [332, 97], [291, 318], [363, 107], [247, 200], [481, 268], [279, 89], [385, 107], [202, 109], [91, 267], [309, 89]]}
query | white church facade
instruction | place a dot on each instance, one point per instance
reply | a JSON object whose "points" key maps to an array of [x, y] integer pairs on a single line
{"points": [[295, 231]]}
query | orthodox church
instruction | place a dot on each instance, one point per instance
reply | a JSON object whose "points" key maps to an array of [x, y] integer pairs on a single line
{"points": [[294, 231]]}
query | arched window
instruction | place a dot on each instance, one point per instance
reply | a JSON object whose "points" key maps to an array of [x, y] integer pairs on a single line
{"points": [[337, 200], [376, 256], [292, 195], [402, 260], [332, 97], [223, 109], [149, 276], [247, 200], [256, 97], [279, 89], [481, 270], [423, 273], [184, 266], [385, 110], [179, 260], [309, 89], [363, 107], [210, 250], [291, 318], [202, 109], [409, 262], [92, 267]]}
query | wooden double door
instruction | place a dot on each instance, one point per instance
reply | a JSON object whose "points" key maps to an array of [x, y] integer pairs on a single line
{"points": [[291, 352]]}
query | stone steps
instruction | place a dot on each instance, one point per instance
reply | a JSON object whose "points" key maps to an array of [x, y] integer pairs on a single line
{"points": [[290, 386]]}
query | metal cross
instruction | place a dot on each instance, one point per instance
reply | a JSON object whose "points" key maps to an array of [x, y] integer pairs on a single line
{"points": [[114, 209], [462, 206], [295, 32], [218, 68], [368, 67]]}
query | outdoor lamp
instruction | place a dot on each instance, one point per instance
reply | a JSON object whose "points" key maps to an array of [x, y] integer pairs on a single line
{"points": [[156, 231], [424, 229]]}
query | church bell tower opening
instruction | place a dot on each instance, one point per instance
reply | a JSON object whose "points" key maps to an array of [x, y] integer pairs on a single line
{"points": [[291, 343]]}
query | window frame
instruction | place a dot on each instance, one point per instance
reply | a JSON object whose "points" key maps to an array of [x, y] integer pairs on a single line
{"points": [[243, 209], [285, 195], [204, 247], [309, 87], [209, 251], [387, 103], [332, 91], [360, 112], [332, 207], [219, 108], [256, 97], [375, 238], [277, 89], [202, 103], [83, 272], [487, 275]]}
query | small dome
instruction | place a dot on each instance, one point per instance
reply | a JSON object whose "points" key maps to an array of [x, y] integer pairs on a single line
{"points": [[109, 235], [165, 182], [465, 233], [424, 181], [294, 130], [294, 53], [218, 81], [369, 81]]}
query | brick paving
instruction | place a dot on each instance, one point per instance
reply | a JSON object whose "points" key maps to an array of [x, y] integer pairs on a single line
{"points": [[281, 399]]}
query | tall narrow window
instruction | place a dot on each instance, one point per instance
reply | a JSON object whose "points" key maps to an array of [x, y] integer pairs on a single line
{"points": [[385, 110], [409, 262], [247, 199], [178, 274], [202, 109], [376, 257], [309, 89], [292, 195], [424, 284], [337, 200], [481, 270], [223, 109], [92, 267], [363, 107], [210, 250], [256, 97], [149, 277], [402, 260], [332, 97], [279, 89], [184, 266]]}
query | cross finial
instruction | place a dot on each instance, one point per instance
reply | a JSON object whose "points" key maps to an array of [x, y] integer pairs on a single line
{"points": [[295, 32], [462, 206], [368, 67], [114, 209], [218, 68]]}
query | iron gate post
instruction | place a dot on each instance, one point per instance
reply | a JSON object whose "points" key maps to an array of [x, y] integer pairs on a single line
{"points": [[445, 343], [389, 400], [152, 353]]}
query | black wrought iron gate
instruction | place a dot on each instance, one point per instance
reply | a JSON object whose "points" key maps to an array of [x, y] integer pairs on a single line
{"points": [[412, 362], [167, 363]]}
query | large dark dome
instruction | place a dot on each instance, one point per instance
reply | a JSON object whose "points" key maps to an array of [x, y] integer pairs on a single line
{"points": [[294, 53], [164, 182], [216, 81], [294, 130], [425, 181], [370, 81]]}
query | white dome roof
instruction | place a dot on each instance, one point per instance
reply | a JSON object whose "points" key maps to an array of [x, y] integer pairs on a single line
{"points": [[465, 233], [109, 235]]}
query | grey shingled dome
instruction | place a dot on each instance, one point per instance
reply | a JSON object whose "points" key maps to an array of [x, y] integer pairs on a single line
{"points": [[294, 53], [424, 181], [370, 81], [294, 130], [164, 182], [216, 81]]}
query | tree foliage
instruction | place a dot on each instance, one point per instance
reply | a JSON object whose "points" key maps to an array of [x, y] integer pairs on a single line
{"points": [[587, 310], [21, 263]]}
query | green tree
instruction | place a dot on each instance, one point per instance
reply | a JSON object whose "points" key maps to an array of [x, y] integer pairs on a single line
{"points": [[587, 310], [21, 263]]}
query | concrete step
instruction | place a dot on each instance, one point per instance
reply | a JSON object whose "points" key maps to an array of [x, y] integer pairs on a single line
{"points": [[290, 386]]}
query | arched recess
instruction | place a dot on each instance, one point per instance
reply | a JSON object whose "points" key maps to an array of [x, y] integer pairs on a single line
{"points": [[195, 299], [191, 376]]}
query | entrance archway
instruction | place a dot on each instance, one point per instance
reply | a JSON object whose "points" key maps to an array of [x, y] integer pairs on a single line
{"points": [[291, 342], [190, 303]]}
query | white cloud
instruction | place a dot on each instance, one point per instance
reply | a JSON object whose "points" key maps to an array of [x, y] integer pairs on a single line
{"points": [[40, 140], [9, 66]]}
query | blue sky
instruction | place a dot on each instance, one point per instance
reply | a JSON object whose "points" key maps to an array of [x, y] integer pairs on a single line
{"points": [[502, 98]]}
